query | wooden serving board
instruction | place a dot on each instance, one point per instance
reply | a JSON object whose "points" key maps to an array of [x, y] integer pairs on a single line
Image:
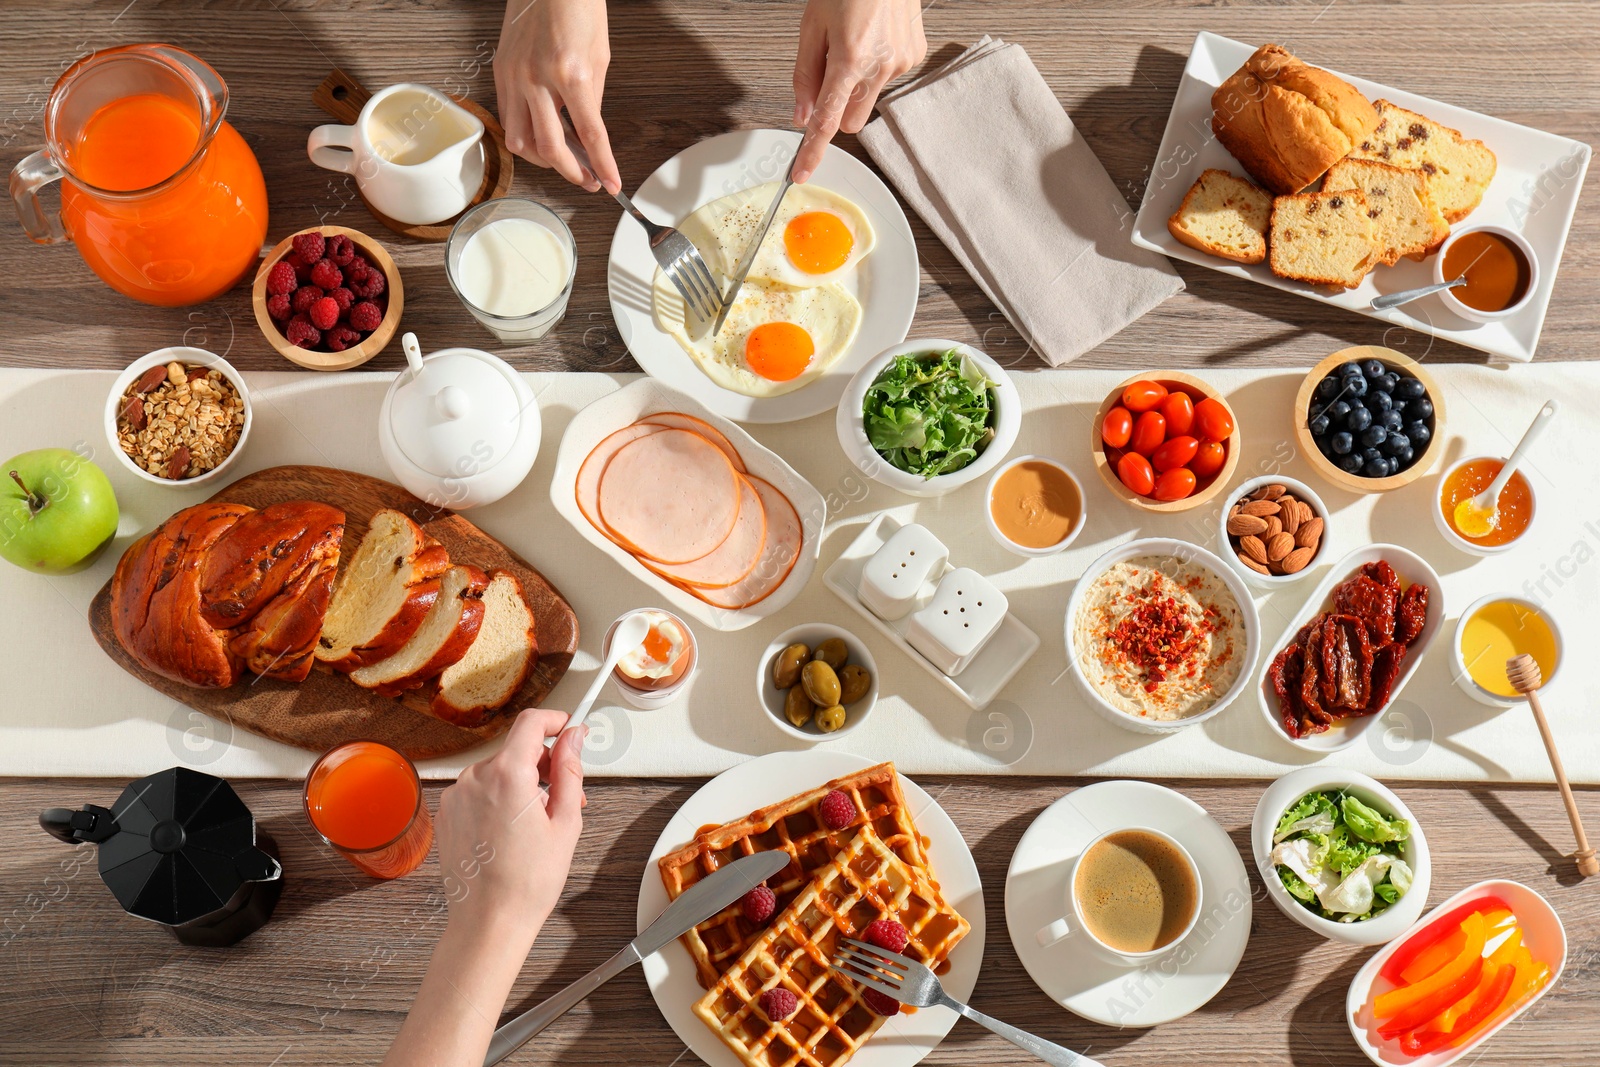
{"points": [[327, 708]]}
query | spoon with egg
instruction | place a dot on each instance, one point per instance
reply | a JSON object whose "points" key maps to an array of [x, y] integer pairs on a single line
{"points": [[1476, 516], [1523, 674], [629, 635]]}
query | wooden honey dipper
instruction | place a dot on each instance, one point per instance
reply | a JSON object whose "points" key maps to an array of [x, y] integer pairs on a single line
{"points": [[1523, 674]]}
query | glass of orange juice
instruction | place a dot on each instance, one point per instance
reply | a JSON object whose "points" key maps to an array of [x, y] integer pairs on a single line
{"points": [[365, 800]]}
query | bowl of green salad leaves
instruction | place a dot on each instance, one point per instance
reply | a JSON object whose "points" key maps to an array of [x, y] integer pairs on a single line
{"points": [[929, 416], [1341, 855]]}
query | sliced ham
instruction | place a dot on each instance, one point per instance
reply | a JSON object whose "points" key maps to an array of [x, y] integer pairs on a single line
{"points": [[784, 537], [700, 426], [736, 557], [670, 496], [587, 489]]}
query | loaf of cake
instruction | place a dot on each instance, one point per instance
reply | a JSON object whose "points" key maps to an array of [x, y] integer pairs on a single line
{"points": [[1458, 169], [1224, 215], [1323, 238], [1398, 203], [1287, 122]]}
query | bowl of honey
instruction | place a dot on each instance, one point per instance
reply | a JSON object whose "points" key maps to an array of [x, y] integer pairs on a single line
{"points": [[1514, 510], [1493, 630], [1501, 271]]}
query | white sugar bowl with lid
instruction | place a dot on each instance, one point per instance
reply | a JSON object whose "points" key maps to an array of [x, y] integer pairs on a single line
{"points": [[460, 427]]}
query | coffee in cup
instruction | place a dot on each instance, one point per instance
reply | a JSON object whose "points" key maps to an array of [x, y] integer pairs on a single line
{"points": [[1135, 892]]}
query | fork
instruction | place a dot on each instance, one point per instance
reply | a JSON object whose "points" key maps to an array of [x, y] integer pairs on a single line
{"points": [[677, 256], [910, 982]]}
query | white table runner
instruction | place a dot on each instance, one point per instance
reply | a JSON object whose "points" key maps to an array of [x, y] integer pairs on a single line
{"points": [[68, 710]]}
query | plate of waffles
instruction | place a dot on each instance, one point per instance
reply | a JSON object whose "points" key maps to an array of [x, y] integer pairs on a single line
{"points": [[867, 844], [1112, 992]]}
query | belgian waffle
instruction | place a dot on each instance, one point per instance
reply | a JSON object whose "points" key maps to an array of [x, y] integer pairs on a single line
{"points": [[867, 881], [796, 827]]}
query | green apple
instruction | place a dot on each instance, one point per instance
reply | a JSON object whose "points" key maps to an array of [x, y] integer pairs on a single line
{"points": [[57, 511]]}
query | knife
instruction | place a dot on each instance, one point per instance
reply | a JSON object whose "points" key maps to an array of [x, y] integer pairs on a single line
{"points": [[703, 900], [736, 282]]}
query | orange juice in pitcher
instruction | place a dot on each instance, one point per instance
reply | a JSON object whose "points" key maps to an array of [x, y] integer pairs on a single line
{"points": [[163, 198]]}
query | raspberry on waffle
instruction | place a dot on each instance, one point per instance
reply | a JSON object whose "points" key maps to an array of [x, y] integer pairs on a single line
{"points": [[866, 882], [795, 826]]}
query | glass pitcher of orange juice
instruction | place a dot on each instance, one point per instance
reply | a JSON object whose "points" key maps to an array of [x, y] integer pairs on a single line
{"points": [[164, 200]]}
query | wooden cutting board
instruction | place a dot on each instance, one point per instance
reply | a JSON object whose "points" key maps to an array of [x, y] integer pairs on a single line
{"points": [[327, 708]]}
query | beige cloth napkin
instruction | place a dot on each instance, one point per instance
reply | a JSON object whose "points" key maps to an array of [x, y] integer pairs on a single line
{"points": [[983, 151]]}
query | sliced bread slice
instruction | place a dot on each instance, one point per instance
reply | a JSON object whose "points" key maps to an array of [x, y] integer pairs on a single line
{"points": [[1224, 215], [494, 668], [1459, 170], [383, 593], [446, 633], [1398, 203], [1323, 238]]}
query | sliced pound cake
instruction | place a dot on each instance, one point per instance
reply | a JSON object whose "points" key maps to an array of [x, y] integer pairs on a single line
{"points": [[1224, 215], [1398, 203], [1458, 170], [1323, 238]]}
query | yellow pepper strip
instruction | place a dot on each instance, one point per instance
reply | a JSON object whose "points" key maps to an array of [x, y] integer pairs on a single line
{"points": [[1446, 1020], [1530, 977], [1397, 1000], [1433, 957]]}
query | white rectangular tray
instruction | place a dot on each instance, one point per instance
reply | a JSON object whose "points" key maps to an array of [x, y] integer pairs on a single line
{"points": [[646, 397], [988, 672], [1534, 192]]}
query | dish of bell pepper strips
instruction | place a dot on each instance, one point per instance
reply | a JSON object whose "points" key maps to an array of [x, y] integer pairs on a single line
{"points": [[1455, 977]]}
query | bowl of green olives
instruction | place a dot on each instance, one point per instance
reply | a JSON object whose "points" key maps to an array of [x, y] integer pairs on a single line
{"points": [[817, 682]]}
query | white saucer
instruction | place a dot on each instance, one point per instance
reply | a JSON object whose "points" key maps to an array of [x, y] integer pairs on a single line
{"points": [[1080, 979], [886, 283], [903, 1040]]}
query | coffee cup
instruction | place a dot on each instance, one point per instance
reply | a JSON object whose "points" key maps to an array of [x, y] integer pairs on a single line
{"points": [[413, 151], [1133, 893]]}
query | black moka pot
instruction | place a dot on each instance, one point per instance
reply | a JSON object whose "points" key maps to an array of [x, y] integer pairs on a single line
{"points": [[179, 848]]}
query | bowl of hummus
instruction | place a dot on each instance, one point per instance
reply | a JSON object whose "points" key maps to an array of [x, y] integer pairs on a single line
{"points": [[1161, 635]]}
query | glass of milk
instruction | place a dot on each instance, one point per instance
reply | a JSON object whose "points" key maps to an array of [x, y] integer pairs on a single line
{"points": [[512, 262]]}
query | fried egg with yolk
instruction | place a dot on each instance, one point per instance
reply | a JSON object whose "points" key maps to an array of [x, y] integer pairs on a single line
{"points": [[816, 237], [777, 338]]}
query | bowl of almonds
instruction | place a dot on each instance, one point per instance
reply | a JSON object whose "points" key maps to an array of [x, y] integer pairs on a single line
{"points": [[178, 416], [1273, 529]]}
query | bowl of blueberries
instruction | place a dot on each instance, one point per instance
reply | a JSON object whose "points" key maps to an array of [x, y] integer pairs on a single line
{"points": [[1368, 419]]}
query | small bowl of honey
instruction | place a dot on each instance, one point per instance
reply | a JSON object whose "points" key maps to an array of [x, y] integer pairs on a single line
{"points": [[1514, 510], [1501, 271], [1493, 630]]}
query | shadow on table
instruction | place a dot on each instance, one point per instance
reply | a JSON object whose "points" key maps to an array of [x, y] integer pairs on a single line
{"points": [[313, 873], [1561, 866]]}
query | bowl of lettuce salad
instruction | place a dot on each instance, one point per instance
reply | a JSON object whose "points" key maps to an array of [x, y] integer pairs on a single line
{"points": [[926, 417], [1342, 855]]}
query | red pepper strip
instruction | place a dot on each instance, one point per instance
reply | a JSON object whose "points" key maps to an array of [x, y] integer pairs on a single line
{"points": [[1428, 1008], [1388, 1005], [1434, 932], [1421, 1042], [1530, 978]]}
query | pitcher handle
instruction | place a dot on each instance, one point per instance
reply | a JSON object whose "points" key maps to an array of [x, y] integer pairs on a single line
{"points": [[324, 144], [27, 178]]}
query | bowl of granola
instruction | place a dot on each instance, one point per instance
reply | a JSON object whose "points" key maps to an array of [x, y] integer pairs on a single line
{"points": [[178, 416]]}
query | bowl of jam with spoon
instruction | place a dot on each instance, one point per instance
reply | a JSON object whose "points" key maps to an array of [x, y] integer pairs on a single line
{"points": [[1501, 271]]}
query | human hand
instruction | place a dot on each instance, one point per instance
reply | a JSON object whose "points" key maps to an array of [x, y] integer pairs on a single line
{"points": [[849, 50], [505, 846], [554, 54]]}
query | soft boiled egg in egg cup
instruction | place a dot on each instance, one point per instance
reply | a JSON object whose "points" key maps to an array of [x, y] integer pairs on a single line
{"points": [[792, 319]]}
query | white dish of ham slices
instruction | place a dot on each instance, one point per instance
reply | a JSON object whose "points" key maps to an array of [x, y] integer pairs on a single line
{"points": [[689, 504]]}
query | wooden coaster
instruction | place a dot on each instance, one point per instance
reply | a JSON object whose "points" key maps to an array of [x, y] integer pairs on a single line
{"points": [[343, 97]]}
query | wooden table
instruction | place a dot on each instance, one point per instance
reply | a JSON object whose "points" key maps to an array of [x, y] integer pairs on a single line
{"points": [[326, 983]]}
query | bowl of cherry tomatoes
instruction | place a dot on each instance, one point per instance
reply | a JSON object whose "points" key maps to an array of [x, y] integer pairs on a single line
{"points": [[1165, 441]]}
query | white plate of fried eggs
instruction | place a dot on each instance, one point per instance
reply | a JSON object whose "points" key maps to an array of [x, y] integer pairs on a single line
{"points": [[834, 282]]}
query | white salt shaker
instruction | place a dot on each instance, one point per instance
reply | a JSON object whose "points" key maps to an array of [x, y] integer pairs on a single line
{"points": [[893, 578], [965, 612]]}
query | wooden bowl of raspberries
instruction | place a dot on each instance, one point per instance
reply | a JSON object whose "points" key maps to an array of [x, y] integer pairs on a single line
{"points": [[328, 298]]}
